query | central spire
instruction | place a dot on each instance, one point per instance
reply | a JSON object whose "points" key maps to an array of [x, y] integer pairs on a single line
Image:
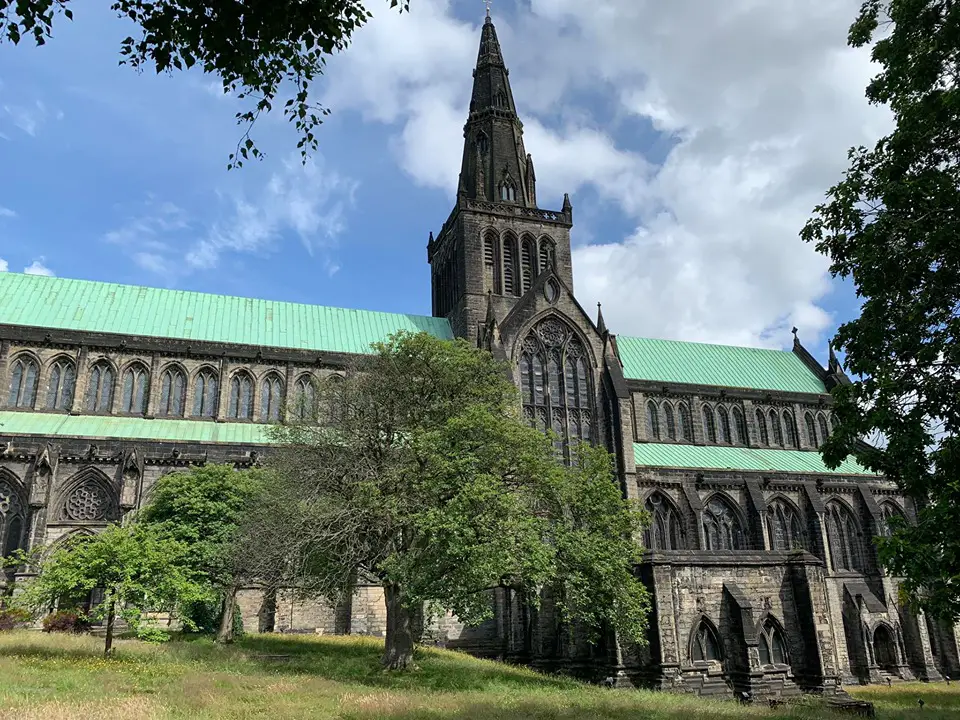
{"points": [[495, 166]]}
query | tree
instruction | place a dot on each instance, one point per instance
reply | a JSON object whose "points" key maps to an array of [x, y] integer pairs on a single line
{"points": [[892, 225], [260, 50], [135, 569], [201, 509], [418, 473]]}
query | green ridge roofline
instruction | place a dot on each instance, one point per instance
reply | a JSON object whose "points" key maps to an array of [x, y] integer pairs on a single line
{"points": [[87, 306]]}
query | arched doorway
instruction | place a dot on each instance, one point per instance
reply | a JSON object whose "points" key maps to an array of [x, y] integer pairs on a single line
{"points": [[885, 649]]}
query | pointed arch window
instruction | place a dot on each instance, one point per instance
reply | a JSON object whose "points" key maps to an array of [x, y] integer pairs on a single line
{"points": [[686, 424], [271, 397], [483, 144], [528, 269], [888, 511], [843, 534], [23, 383], [776, 429], [790, 429], [671, 422], [173, 393], [740, 436], [653, 420], [721, 525], [100, 390], [811, 429], [500, 99], [555, 383], [784, 526], [665, 531], [12, 519], [491, 261], [241, 397], [824, 431], [509, 265], [709, 424], [773, 647], [724, 425], [547, 254], [134, 390], [508, 191], [762, 428], [306, 399], [705, 645], [60, 387], [205, 392]]}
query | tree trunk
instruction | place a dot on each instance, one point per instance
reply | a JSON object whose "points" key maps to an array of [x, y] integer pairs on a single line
{"points": [[398, 650], [225, 633], [111, 615]]}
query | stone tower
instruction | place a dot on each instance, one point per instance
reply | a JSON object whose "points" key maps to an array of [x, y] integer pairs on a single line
{"points": [[496, 240]]}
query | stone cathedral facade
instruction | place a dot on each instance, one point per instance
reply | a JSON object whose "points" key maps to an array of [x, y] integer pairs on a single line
{"points": [[760, 560]]}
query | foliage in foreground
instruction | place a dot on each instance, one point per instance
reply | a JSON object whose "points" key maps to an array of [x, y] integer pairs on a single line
{"points": [[892, 226], [419, 473], [260, 50]]}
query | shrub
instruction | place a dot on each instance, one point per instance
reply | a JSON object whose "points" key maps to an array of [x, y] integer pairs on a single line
{"points": [[152, 634], [11, 618], [201, 616], [66, 621]]}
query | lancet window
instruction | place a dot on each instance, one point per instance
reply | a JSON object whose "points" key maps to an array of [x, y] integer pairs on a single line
{"points": [[173, 393], [790, 427], [491, 261], [776, 429], [271, 396], [134, 390], [824, 431], [887, 511], [528, 269], [773, 647], [547, 253], [686, 425], [100, 390], [653, 420], [724, 425], [709, 424], [671, 422], [63, 380], [740, 428], [205, 391], [811, 429], [555, 381], [306, 399], [762, 428], [705, 645], [241, 397], [12, 519], [23, 383], [509, 265]]}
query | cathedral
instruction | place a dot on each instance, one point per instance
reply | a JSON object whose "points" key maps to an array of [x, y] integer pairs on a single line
{"points": [[760, 560]]}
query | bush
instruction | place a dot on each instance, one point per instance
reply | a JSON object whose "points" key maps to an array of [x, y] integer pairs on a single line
{"points": [[202, 616], [66, 621], [152, 634], [11, 618]]}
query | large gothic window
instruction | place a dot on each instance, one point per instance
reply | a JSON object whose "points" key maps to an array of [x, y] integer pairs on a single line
{"points": [[740, 436], [205, 390], [671, 422], [12, 519], [665, 531], [134, 388], [686, 425], [653, 420], [556, 385], [709, 424], [271, 395], [705, 645], [790, 428], [63, 378], [762, 428], [784, 526], [843, 533], [773, 647], [528, 269], [173, 393], [776, 429], [23, 383], [887, 511], [241, 397], [724, 424], [100, 389], [721, 525]]}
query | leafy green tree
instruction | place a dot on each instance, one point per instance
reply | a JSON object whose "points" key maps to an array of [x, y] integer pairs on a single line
{"points": [[418, 472], [201, 509], [892, 226], [135, 569], [261, 51]]}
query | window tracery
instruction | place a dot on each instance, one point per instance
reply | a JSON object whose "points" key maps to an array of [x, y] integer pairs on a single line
{"points": [[889, 510], [508, 191], [100, 391], [206, 388], [89, 501], [843, 534], [173, 393], [12, 518], [23, 383], [306, 399], [784, 526], [271, 397], [773, 647], [241, 397], [665, 531], [134, 389], [721, 525], [60, 387], [776, 429], [555, 383], [705, 645]]}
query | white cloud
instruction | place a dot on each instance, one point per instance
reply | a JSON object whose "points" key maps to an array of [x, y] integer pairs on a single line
{"points": [[759, 100], [37, 267], [27, 118], [7, 212], [4, 266]]}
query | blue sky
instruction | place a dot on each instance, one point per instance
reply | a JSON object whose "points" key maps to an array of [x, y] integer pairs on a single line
{"points": [[693, 140]]}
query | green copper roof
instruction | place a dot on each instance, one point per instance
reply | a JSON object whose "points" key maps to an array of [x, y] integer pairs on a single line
{"points": [[700, 364], [734, 458], [63, 304], [130, 428]]}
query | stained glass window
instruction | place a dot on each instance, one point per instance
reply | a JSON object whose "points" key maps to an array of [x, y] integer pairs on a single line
{"points": [[23, 383]]}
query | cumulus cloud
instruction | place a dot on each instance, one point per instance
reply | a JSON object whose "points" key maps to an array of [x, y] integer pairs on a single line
{"points": [[7, 212], [755, 104], [4, 266], [37, 267]]}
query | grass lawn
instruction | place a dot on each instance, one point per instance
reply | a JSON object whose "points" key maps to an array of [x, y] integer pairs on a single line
{"points": [[54, 677]]}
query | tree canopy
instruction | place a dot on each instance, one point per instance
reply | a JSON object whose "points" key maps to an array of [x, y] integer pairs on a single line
{"points": [[262, 51], [892, 226], [417, 472]]}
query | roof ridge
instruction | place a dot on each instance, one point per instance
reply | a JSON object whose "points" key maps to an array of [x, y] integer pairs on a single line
{"points": [[57, 278], [703, 344]]}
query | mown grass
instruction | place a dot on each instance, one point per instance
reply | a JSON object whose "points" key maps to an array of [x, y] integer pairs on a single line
{"points": [[55, 677]]}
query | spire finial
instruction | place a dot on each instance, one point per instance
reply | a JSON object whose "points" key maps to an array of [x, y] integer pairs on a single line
{"points": [[487, 3], [601, 325]]}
